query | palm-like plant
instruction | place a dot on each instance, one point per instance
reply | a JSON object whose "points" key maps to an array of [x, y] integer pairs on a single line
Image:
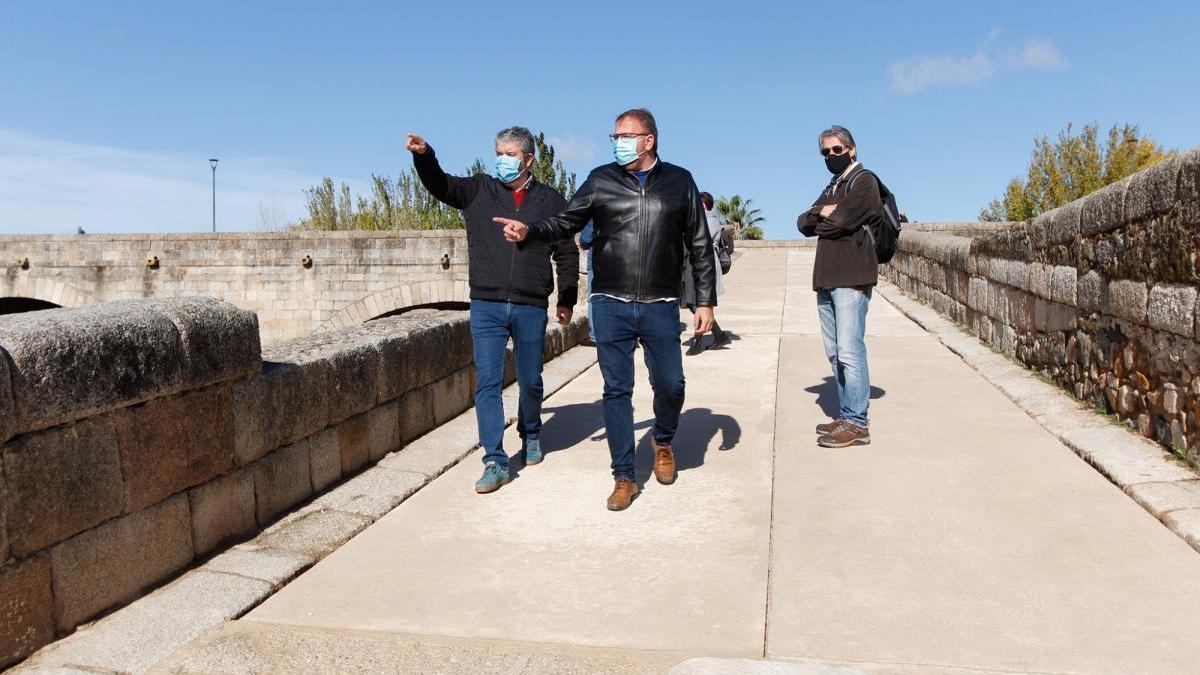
{"points": [[738, 212]]}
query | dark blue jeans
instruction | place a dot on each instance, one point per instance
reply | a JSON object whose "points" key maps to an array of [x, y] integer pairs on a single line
{"points": [[618, 325], [492, 323]]}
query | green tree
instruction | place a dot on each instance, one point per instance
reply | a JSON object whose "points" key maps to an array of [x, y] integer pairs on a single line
{"points": [[549, 171], [1073, 166], [738, 212]]}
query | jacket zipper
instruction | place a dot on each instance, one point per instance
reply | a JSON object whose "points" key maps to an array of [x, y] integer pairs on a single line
{"points": [[641, 235], [512, 262]]}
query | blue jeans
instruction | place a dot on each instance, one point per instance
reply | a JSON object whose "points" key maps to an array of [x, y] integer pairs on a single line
{"points": [[591, 313], [491, 325], [618, 326], [843, 314]]}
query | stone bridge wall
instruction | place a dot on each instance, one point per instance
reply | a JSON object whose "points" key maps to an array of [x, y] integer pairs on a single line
{"points": [[1100, 295], [140, 435], [353, 276]]}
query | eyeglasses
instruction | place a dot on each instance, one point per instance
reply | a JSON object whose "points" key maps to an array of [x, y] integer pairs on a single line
{"points": [[614, 137], [833, 150]]}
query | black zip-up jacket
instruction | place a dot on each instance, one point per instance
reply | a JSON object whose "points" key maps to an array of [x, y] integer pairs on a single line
{"points": [[641, 234], [497, 269], [845, 250]]}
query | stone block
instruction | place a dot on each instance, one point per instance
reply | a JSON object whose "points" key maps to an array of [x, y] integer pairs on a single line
{"points": [[1093, 292], [220, 340], [373, 493], [170, 444], [452, 395], [7, 411], [114, 563], [282, 479], [1062, 224], [1040, 279], [1189, 186], [26, 609], [324, 457], [1021, 309], [59, 482], [269, 565], [315, 534], [252, 416], [223, 510], [416, 413], [383, 430], [72, 363], [1104, 209], [1172, 307], [977, 294], [1127, 300], [354, 439], [354, 380], [300, 396], [1063, 285], [1152, 191]]}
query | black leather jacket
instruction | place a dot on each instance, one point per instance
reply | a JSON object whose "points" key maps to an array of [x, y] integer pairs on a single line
{"points": [[641, 234]]}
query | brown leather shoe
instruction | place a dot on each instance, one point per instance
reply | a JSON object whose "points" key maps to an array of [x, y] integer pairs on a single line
{"points": [[847, 434], [623, 494], [664, 464], [828, 427]]}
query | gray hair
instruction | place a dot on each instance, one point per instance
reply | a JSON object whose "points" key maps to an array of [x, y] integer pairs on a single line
{"points": [[841, 133], [518, 135]]}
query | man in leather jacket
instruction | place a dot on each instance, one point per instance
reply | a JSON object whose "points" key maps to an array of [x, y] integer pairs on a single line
{"points": [[647, 216]]}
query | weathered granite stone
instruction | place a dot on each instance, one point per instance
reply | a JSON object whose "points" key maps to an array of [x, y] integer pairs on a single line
{"points": [[1186, 524], [7, 410], [315, 534], [71, 363], [26, 608], [452, 395], [354, 380], [373, 493], [416, 413], [355, 442], [223, 510], [300, 396], [269, 565], [1189, 186], [1062, 285], [1127, 300], [220, 340], [115, 562], [1062, 224], [3, 514], [383, 430], [977, 294], [1093, 292], [1039, 280], [1153, 191], [252, 413], [1104, 209], [1021, 309], [1172, 307], [282, 479], [170, 444], [59, 482], [325, 457]]}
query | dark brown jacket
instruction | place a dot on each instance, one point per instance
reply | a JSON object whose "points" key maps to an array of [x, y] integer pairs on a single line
{"points": [[845, 250]]}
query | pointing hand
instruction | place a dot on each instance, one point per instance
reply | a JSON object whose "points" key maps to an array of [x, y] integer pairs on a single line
{"points": [[514, 230], [416, 144]]}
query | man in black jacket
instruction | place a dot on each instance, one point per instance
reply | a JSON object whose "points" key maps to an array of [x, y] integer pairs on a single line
{"points": [[844, 275], [509, 287], [647, 216]]}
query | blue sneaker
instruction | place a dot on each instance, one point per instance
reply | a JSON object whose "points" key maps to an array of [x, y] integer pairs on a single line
{"points": [[533, 451], [494, 477]]}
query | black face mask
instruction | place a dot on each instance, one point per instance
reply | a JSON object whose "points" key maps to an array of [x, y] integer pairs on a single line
{"points": [[838, 163]]}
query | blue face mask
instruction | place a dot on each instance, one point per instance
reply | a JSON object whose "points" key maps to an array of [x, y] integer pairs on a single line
{"points": [[508, 168], [625, 150]]}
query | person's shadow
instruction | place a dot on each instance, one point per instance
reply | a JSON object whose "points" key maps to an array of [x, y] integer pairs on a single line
{"points": [[827, 396], [566, 427], [695, 433]]}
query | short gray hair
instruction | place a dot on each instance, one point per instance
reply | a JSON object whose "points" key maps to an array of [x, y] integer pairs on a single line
{"points": [[519, 135], [841, 133]]}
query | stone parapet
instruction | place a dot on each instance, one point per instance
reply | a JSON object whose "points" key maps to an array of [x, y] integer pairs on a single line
{"points": [[1100, 295], [142, 435]]}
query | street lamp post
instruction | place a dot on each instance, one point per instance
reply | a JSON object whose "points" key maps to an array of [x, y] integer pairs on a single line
{"points": [[213, 162]]}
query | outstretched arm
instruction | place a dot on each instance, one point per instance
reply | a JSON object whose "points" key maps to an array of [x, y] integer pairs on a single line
{"points": [[450, 190], [572, 219]]}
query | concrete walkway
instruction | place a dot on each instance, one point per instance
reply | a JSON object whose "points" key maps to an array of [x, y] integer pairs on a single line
{"points": [[965, 538]]}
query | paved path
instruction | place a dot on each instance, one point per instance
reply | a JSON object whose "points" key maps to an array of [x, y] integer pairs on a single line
{"points": [[964, 539]]}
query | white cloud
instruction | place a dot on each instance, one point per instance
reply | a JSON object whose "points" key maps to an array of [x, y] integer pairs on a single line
{"points": [[1038, 55], [923, 72], [573, 149], [51, 186]]}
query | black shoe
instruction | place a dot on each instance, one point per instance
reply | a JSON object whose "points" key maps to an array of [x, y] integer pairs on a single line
{"points": [[696, 348], [721, 340]]}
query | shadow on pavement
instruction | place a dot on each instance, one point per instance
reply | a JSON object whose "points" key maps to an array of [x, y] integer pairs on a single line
{"points": [[827, 396]]}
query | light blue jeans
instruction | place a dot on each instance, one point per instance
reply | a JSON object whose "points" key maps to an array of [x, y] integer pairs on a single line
{"points": [[843, 314]]}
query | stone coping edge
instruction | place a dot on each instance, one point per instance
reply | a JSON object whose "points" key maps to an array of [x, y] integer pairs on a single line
{"points": [[1143, 470], [232, 582]]}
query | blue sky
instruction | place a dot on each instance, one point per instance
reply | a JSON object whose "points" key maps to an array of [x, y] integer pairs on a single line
{"points": [[110, 111]]}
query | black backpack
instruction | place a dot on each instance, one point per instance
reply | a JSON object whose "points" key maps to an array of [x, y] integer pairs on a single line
{"points": [[887, 232]]}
